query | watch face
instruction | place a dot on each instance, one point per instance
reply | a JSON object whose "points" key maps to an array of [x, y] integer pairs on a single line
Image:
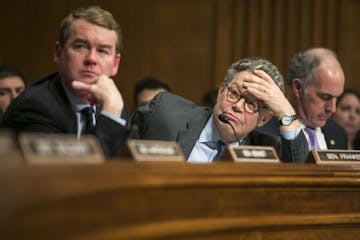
{"points": [[286, 120]]}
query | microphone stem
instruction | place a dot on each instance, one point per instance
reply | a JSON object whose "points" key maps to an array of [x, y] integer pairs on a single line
{"points": [[224, 119], [237, 137]]}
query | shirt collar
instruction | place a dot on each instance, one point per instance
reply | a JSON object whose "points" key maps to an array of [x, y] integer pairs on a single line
{"points": [[209, 132], [317, 129]]}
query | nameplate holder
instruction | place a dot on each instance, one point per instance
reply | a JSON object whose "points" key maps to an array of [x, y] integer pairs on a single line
{"points": [[246, 153], [10, 153], [155, 151], [44, 148], [334, 157]]}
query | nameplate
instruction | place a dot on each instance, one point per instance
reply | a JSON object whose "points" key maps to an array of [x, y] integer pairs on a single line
{"points": [[10, 153], [153, 151], [245, 153], [43, 148], [333, 157]]}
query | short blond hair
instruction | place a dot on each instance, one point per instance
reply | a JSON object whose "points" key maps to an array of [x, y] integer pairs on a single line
{"points": [[94, 15]]}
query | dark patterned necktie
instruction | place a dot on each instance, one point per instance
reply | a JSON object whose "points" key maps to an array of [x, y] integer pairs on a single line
{"points": [[88, 114]]}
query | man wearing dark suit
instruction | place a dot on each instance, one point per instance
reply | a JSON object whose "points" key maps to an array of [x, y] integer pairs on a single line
{"points": [[87, 55], [250, 95], [316, 80]]}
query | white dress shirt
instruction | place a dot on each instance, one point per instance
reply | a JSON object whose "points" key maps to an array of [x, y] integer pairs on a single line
{"points": [[202, 153]]}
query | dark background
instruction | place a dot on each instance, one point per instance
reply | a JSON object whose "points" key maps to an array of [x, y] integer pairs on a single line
{"points": [[188, 43]]}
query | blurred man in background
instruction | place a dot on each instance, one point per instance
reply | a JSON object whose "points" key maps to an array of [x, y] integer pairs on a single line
{"points": [[12, 83], [146, 89]]}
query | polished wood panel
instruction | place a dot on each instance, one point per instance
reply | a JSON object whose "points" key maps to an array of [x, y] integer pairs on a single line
{"points": [[189, 44], [128, 200]]}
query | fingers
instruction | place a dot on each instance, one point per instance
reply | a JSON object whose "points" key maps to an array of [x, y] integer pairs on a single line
{"points": [[97, 88], [260, 80], [77, 85], [103, 92], [263, 75]]}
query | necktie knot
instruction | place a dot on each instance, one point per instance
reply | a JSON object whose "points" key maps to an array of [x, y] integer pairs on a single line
{"points": [[88, 114], [313, 144], [217, 145]]}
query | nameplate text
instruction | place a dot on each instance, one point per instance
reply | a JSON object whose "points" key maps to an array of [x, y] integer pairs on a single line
{"points": [[244, 153], [41, 148], [150, 150], [334, 157]]}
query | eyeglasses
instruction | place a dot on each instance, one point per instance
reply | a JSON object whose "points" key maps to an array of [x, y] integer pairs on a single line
{"points": [[233, 96]]}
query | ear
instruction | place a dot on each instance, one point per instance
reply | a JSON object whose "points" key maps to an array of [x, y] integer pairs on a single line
{"points": [[265, 118], [297, 87], [57, 52], [221, 90], [116, 65]]}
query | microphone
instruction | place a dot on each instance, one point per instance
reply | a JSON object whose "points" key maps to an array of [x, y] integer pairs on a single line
{"points": [[133, 132], [133, 127], [224, 119]]}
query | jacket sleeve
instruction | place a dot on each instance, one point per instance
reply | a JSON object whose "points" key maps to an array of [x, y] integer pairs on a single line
{"points": [[294, 151]]}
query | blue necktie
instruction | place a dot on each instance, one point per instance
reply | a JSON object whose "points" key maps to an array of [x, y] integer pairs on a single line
{"points": [[219, 146]]}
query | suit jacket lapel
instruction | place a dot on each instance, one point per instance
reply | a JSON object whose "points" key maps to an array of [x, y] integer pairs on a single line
{"points": [[246, 140], [188, 137], [66, 108]]}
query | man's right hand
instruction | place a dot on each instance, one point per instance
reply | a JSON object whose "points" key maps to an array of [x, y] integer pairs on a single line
{"points": [[102, 93]]}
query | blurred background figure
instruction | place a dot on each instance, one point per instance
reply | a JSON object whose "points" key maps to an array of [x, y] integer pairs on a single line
{"points": [[347, 115], [146, 89], [12, 83], [209, 98]]}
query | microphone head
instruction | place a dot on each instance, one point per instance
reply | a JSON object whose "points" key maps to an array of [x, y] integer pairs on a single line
{"points": [[223, 118]]}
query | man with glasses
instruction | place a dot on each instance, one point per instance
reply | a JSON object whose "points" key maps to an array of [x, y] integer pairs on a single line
{"points": [[316, 79], [250, 95]]}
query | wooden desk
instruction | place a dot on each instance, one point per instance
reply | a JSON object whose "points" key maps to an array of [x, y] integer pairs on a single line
{"points": [[128, 200]]}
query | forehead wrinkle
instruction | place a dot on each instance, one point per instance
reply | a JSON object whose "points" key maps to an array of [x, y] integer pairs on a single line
{"points": [[92, 34]]}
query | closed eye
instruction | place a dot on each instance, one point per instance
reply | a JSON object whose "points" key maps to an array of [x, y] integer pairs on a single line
{"points": [[325, 96]]}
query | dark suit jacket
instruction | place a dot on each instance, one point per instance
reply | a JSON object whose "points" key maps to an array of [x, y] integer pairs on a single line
{"points": [[171, 118], [335, 135], [44, 107]]}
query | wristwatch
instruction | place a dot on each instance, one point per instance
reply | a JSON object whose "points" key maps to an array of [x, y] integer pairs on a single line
{"points": [[286, 120]]}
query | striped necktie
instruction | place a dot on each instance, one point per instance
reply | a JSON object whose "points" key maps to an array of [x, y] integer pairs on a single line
{"points": [[88, 114]]}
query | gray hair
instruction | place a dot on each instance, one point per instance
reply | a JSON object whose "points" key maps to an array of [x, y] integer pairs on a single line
{"points": [[304, 65], [250, 64]]}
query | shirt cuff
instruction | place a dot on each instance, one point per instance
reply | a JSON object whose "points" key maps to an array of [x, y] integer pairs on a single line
{"points": [[119, 120], [290, 135]]}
